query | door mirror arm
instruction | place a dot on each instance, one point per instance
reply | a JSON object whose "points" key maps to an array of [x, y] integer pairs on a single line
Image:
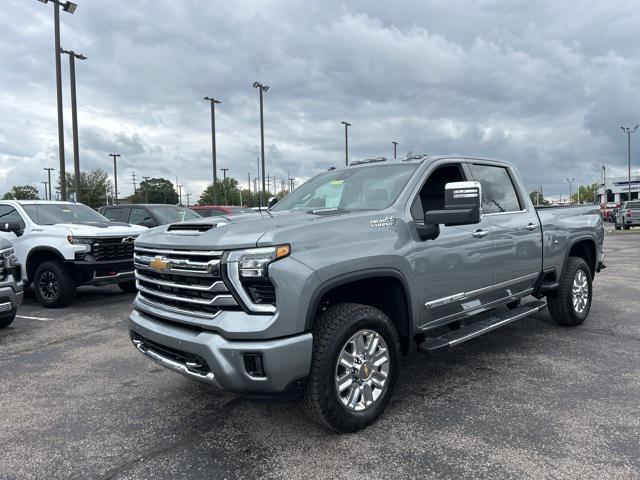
{"points": [[12, 227], [428, 231]]}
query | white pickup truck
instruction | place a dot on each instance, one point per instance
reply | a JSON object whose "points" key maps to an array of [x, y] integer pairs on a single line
{"points": [[62, 245]]}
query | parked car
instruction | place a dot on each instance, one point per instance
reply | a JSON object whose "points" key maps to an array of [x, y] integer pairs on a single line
{"points": [[11, 291], [608, 211], [323, 294], [220, 210], [62, 245], [148, 215], [628, 215]]}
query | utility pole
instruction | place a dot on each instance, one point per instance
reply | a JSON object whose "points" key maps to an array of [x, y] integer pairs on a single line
{"points": [[146, 194], [74, 118], [49, 175], [346, 142], [629, 131], [226, 190], [570, 182], [395, 146], [604, 184], [68, 7], [188, 199], [133, 181], [213, 102], [180, 194], [262, 89], [115, 177], [45, 189]]}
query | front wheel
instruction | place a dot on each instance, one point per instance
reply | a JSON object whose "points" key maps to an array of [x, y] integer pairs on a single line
{"points": [[128, 287], [53, 285], [571, 303], [353, 369], [6, 321]]}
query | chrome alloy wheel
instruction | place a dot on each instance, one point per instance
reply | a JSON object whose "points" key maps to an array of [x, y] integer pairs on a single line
{"points": [[580, 293], [362, 370], [48, 285]]}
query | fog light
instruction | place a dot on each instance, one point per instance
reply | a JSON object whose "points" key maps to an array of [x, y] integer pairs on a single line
{"points": [[253, 364]]}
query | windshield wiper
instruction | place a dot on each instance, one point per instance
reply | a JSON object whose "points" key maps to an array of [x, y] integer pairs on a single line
{"points": [[319, 211]]}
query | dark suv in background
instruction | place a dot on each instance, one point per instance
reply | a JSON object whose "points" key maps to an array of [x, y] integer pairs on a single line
{"points": [[148, 215], [220, 210]]}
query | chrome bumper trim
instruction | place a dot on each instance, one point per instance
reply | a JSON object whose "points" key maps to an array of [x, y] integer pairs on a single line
{"points": [[144, 301], [6, 307], [98, 279]]}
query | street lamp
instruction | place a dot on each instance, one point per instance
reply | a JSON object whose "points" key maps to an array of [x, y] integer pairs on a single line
{"points": [[115, 177], [346, 142], [213, 102], [262, 89], [74, 116], [570, 182], [628, 131], [68, 7], [395, 146], [224, 182], [49, 174]]}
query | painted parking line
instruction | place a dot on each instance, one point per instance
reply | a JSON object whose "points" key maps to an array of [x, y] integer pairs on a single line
{"points": [[40, 319]]}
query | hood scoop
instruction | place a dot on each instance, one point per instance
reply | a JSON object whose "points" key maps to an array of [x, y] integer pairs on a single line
{"points": [[191, 228]]}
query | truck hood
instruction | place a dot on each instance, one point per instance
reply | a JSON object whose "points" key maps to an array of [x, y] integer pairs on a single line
{"points": [[105, 229], [227, 232]]}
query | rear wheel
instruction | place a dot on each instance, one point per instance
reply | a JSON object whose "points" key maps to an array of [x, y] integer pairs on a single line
{"points": [[53, 285], [571, 303], [617, 227], [353, 369], [6, 321], [128, 287]]}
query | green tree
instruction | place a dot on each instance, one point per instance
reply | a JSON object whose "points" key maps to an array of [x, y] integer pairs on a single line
{"points": [[155, 190], [22, 192], [537, 198], [586, 193], [228, 187], [94, 185]]}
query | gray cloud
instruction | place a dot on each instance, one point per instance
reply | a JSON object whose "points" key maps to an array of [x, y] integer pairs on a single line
{"points": [[543, 84]]}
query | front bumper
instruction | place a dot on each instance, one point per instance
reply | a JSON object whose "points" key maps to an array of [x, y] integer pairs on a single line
{"points": [[104, 273], [210, 358], [11, 297]]}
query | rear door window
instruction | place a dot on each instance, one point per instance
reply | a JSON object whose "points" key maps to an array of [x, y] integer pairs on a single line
{"points": [[116, 214], [498, 192]]}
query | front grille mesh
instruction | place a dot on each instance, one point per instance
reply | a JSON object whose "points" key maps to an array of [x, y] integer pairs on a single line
{"points": [[183, 281], [118, 248]]}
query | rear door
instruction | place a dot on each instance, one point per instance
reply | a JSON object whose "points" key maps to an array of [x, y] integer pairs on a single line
{"points": [[515, 229]]}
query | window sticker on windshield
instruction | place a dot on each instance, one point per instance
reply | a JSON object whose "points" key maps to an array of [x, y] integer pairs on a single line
{"points": [[337, 182], [66, 210]]}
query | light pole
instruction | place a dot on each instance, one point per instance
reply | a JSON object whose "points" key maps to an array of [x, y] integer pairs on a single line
{"points": [[213, 102], [68, 7], [346, 142], [628, 131], [224, 181], [115, 177], [395, 146], [74, 116], [570, 182], [45, 183], [49, 175], [262, 89]]}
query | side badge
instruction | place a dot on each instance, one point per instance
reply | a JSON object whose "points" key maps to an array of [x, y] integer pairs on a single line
{"points": [[385, 222]]}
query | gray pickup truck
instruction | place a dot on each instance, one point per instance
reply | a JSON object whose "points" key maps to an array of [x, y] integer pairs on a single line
{"points": [[628, 215], [322, 293], [11, 288]]}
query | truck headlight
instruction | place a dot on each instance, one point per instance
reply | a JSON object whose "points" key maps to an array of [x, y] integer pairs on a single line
{"points": [[247, 270], [87, 242], [253, 262]]}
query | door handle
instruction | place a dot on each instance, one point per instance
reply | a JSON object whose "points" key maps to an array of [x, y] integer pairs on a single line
{"points": [[531, 226], [480, 233]]}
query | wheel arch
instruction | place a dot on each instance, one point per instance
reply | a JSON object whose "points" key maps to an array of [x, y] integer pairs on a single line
{"points": [[39, 255], [585, 248], [384, 288]]}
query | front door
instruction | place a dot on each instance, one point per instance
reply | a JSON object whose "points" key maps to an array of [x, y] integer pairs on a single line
{"points": [[455, 271], [515, 228]]}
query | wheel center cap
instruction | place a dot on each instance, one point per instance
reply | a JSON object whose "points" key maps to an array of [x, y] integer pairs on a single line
{"points": [[366, 370]]}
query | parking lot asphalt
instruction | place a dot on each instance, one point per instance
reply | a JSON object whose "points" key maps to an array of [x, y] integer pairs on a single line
{"points": [[531, 400]]}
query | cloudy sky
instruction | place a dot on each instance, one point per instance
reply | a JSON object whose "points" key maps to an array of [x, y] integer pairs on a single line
{"points": [[544, 84]]}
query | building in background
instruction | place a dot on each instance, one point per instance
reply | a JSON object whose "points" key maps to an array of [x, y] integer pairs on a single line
{"points": [[616, 189]]}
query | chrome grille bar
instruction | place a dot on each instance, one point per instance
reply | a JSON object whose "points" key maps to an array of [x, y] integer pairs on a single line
{"points": [[217, 301], [217, 286]]}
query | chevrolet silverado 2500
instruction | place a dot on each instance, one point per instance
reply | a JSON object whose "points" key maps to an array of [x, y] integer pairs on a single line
{"points": [[11, 292], [323, 292], [62, 245]]}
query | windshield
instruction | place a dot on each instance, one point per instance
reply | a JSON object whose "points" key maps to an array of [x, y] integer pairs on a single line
{"points": [[632, 205], [366, 188], [52, 213], [173, 213]]}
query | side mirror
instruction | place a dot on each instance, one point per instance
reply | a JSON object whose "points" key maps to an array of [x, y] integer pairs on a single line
{"points": [[12, 227], [272, 201], [461, 205]]}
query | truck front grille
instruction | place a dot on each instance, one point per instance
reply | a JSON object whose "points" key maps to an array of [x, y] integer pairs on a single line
{"points": [[117, 248], [182, 281]]}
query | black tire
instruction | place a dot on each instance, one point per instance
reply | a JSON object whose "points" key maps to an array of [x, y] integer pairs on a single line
{"points": [[53, 285], [128, 287], [332, 330], [560, 303], [6, 321], [626, 227], [514, 304], [617, 227]]}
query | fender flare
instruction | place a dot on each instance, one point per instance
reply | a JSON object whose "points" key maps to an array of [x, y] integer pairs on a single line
{"points": [[51, 250], [574, 242]]}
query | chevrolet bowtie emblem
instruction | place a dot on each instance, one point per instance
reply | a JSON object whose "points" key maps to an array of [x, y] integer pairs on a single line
{"points": [[159, 264]]}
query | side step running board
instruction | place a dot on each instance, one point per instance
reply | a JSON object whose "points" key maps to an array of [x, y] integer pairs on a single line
{"points": [[476, 329]]}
